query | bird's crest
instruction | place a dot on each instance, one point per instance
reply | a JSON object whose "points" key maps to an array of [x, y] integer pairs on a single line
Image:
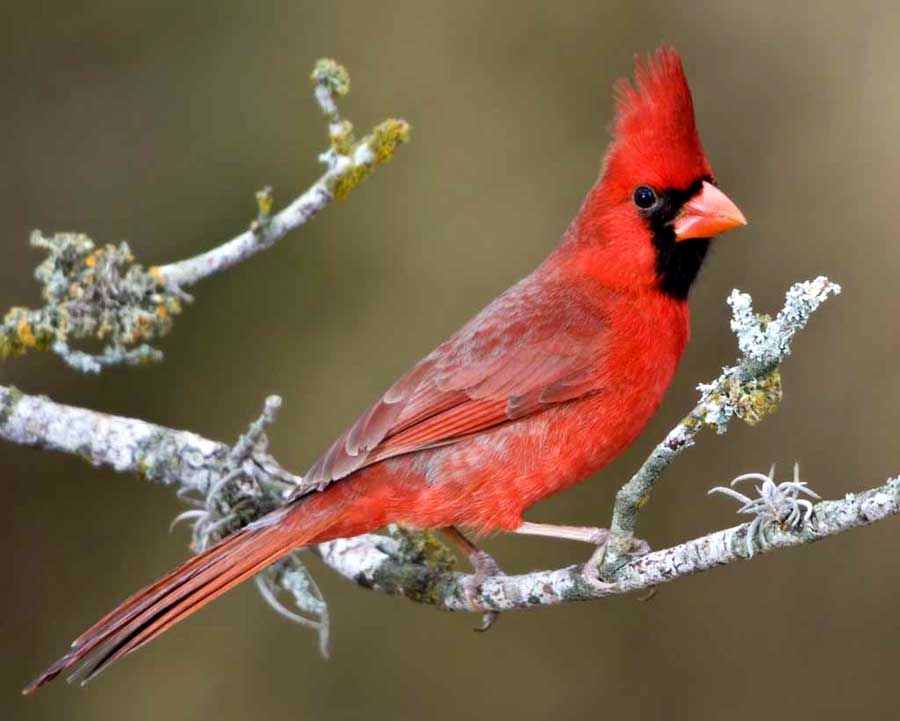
{"points": [[654, 127]]}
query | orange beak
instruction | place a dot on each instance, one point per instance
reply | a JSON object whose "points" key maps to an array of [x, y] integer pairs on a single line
{"points": [[707, 214]]}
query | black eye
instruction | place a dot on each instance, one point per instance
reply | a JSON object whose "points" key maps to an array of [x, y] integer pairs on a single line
{"points": [[644, 197]]}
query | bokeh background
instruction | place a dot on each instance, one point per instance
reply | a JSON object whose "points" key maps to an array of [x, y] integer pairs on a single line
{"points": [[155, 122]]}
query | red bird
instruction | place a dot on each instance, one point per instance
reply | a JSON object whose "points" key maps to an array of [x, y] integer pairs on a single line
{"points": [[546, 385]]}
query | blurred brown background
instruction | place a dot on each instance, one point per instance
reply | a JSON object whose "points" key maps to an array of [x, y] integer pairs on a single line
{"points": [[156, 121]]}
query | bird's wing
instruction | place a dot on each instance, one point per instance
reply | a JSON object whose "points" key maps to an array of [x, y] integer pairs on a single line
{"points": [[532, 347]]}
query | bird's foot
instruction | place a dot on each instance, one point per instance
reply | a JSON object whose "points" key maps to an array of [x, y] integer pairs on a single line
{"points": [[484, 566], [624, 548]]}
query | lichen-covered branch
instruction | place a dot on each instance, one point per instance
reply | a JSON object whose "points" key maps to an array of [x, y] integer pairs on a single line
{"points": [[101, 294], [348, 162], [232, 486], [91, 292], [403, 564], [226, 487], [379, 564], [750, 389]]}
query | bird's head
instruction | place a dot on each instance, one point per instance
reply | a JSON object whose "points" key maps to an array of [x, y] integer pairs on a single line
{"points": [[656, 206]]}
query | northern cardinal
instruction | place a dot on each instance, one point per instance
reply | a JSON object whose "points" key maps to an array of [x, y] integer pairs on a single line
{"points": [[546, 385]]}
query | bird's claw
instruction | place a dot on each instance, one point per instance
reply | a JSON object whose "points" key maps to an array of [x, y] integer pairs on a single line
{"points": [[638, 547], [631, 548], [484, 566], [487, 620]]}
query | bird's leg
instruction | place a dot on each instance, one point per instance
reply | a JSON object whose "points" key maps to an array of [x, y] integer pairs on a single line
{"points": [[585, 534], [598, 537], [482, 563]]}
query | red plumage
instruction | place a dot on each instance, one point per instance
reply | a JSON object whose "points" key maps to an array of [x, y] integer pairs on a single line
{"points": [[546, 385]]}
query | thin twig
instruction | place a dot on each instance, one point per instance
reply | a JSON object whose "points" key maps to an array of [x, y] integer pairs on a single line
{"points": [[103, 294], [750, 390], [348, 162]]}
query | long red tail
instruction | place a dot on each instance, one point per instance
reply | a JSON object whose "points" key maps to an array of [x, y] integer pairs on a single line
{"points": [[187, 589]]}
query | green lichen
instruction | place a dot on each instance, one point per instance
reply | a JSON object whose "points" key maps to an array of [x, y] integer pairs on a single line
{"points": [[157, 457], [332, 75], [90, 293], [422, 548], [418, 583], [8, 405]]}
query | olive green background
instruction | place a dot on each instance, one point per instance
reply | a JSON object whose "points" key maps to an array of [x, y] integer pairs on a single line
{"points": [[155, 122]]}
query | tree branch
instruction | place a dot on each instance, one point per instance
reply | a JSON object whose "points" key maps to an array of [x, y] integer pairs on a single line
{"points": [[348, 163], [380, 565], [750, 390], [101, 293], [238, 484]]}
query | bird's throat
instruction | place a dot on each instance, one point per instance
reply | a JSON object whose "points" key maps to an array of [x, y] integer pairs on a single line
{"points": [[677, 262]]}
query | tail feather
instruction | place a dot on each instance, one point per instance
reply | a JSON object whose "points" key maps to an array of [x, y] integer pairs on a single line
{"points": [[145, 629], [184, 572], [177, 595]]}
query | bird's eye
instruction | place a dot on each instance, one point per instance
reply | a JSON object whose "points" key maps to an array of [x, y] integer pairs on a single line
{"points": [[644, 197]]}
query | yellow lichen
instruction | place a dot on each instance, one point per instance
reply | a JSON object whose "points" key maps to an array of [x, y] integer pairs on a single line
{"points": [[26, 335], [759, 398], [173, 305], [342, 137], [750, 401], [131, 303], [348, 180], [264, 201], [382, 142], [386, 136]]}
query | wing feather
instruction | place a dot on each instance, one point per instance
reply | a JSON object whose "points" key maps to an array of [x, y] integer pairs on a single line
{"points": [[531, 348]]}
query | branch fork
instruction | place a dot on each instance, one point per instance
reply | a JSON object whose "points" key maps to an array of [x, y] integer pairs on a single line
{"points": [[750, 390]]}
